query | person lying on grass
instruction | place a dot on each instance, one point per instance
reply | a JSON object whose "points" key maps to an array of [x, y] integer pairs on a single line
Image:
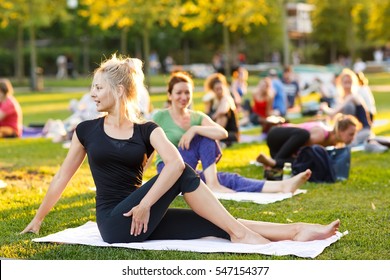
{"points": [[195, 135], [285, 141], [118, 146]]}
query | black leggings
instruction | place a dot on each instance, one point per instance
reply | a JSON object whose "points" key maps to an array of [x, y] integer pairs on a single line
{"points": [[284, 142], [232, 128], [164, 222]]}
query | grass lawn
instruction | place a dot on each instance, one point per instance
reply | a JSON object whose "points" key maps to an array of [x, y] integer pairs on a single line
{"points": [[27, 166]]}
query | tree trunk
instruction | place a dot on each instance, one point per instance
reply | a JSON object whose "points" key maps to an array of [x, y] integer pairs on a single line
{"points": [[124, 32], [33, 59], [351, 37], [146, 47], [19, 65], [333, 53], [186, 54], [86, 54], [286, 41], [226, 43], [33, 53]]}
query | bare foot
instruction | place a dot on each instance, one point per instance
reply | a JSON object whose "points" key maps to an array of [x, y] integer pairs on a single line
{"points": [[292, 184], [308, 232], [267, 161], [250, 237]]}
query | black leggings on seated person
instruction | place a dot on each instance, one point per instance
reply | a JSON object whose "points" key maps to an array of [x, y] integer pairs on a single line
{"points": [[164, 222]]}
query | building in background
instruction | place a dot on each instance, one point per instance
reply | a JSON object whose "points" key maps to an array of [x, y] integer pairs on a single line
{"points": [[299, 26]]}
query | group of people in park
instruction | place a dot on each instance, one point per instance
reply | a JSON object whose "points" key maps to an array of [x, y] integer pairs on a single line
{"points": [[123, 138], [119, 146]]}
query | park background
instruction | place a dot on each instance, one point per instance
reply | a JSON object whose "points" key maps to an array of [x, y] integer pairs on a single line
{"points": [[34, 33]]}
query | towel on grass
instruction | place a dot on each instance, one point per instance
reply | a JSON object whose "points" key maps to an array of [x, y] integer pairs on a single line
{"points": [[88, 234], [32, 132], [259, 198]]}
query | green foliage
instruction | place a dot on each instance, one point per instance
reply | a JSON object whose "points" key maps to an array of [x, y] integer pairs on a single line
{"points": [[379, 21], [32, 12], [27, 166]]}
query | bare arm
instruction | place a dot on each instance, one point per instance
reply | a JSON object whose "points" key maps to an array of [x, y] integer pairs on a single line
{"points": [[236, 96], [270, 104], [71, 164], [332, 112], [317, 136], [222, 109], [208, 128], [173, 168]]}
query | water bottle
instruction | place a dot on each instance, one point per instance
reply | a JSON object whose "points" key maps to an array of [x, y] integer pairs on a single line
{"points": [[287, 171]]}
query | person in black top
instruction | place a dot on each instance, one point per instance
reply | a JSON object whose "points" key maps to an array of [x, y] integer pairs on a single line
{"points": [[118, 146]]}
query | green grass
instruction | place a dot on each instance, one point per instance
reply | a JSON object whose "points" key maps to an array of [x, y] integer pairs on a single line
{"points": [[27, 165]]}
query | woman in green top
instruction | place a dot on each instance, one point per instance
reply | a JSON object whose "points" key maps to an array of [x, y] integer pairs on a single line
{"points": [[196, 135]]}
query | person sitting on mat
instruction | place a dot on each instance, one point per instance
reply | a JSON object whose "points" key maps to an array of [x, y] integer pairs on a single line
{"points": [[195, 135]]}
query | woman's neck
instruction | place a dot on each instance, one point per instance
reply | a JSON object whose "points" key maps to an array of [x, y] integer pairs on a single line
{"points": [[116, 120], [181, 117], [347, 92], [179, 111]]}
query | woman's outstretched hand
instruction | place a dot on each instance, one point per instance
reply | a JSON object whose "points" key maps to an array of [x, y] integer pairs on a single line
{"points": [[32, 227], [140, 220]]}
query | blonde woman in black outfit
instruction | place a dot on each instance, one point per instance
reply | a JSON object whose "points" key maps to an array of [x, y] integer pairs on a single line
{"points": [[118, 146]]}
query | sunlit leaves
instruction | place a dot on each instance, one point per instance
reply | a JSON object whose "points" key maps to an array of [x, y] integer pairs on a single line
{"points": [[235, 14], [126, 13], [36, 12], [379, 21]]}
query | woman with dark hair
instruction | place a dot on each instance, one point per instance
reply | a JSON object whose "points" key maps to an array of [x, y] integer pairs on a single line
{"points": [[195, 135]]}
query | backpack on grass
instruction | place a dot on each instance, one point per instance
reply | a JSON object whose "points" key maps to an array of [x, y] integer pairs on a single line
{"points": [[327, 166]]}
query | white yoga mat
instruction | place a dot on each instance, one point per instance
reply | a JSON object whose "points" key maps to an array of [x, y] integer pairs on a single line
{"points": [[88, 234], [260, 198]]}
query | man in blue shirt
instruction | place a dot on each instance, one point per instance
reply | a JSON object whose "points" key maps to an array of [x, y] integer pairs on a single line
{"points": [[280, 100], [291, 87]]}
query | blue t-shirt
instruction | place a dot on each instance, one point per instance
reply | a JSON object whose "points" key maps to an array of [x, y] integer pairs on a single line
{"points": [[280, 102]]}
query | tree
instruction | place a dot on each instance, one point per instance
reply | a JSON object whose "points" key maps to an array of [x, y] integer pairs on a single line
{"points": [[379, 21], [336, 25], [140, 14], [30, 14], [231, 14]]}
